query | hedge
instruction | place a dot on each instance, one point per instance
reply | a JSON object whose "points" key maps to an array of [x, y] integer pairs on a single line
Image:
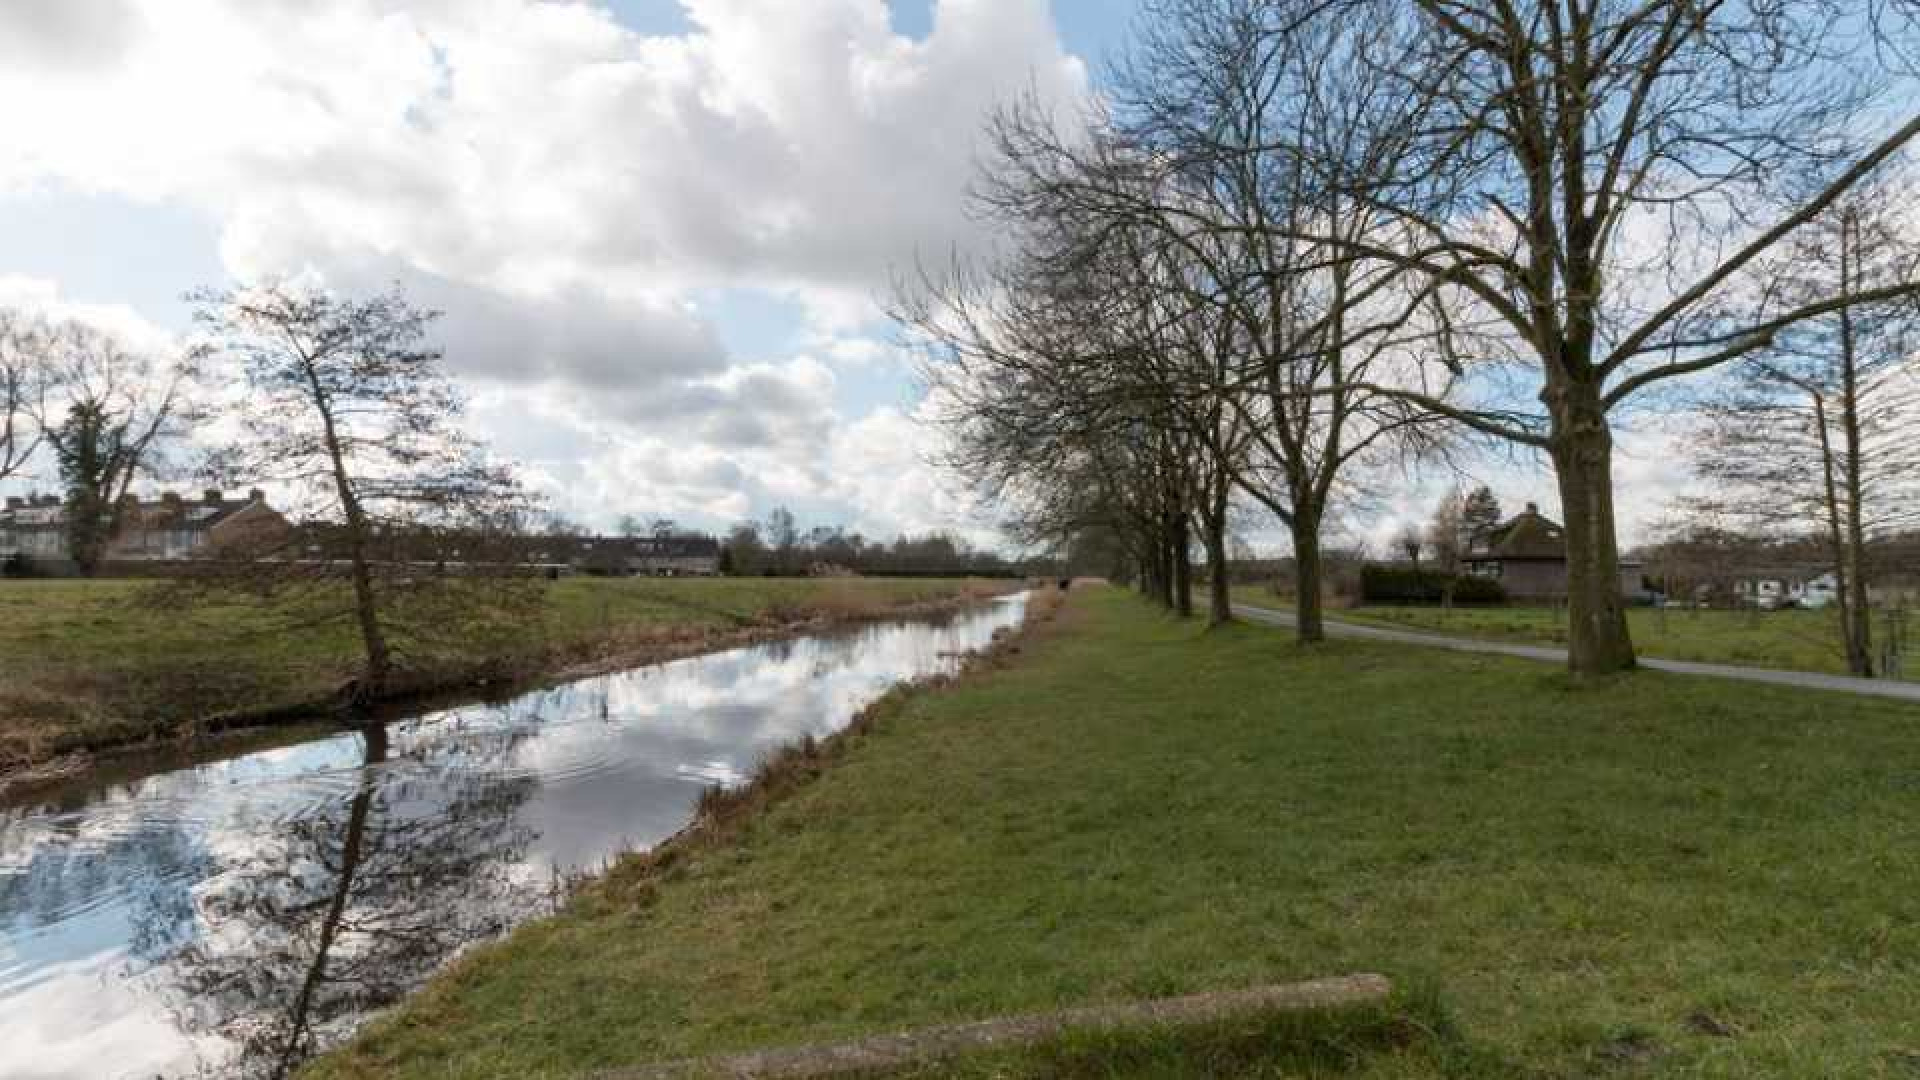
{"points": [[1405, 586]]}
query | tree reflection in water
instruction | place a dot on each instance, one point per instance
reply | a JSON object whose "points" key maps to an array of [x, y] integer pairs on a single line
{"points": [[345, 910]]}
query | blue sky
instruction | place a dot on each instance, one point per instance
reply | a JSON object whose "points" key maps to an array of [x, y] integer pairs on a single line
{"points": [[1089, 28]]}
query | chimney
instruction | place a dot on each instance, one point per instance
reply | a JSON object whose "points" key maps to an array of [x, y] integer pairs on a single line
{"points": [[1534, 509], [256, 495], [213, 496], [172, 499]]}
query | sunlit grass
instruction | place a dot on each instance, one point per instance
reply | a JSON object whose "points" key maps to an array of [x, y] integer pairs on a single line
{"points": [[1647, 875]]}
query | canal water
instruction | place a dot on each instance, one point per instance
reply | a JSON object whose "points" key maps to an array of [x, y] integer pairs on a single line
{"points": [[230, 917]]}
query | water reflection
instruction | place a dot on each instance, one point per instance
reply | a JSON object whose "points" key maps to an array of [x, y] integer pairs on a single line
{"points": [[232, 916], [344, 909]]}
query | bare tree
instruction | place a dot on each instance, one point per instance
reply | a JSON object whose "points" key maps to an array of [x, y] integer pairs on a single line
{"points": [[23, 383], [105, 418], [1597, 186], [1412, 542], [347, 407], [1447, 533], [1815, 434]]}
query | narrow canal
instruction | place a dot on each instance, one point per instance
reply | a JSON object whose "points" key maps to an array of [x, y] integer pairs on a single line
{"points": [[230, 917]]}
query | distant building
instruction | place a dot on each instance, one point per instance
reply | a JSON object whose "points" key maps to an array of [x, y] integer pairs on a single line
{"points": [[685, 555], [1528, 557], [169, 527], [679, 555], [1791, 588]]}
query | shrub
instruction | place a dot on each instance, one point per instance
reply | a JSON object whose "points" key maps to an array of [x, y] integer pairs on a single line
{"points": [[1405, 586]]}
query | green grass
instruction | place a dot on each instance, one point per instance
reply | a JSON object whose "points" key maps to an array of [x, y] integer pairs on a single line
{"points": [[1572, 879], [1787, 640], [85, 663]]}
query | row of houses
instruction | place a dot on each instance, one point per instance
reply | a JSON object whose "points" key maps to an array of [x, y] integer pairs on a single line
{"points": [[176, 528], [168, 527], [1528, 557]]}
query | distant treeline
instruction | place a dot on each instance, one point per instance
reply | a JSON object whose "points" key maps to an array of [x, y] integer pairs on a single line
{"points": [[776, 548]]}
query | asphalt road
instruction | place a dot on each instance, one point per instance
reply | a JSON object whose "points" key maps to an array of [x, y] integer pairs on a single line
{"points": [[1899, 691]]}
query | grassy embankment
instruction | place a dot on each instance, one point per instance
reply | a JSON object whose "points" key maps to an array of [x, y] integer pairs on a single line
{"points": [[1651, 875], [91, 663], [1786, 640]]}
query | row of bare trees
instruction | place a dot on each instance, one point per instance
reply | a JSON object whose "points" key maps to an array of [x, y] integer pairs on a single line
{"points": [[1305, 233]]}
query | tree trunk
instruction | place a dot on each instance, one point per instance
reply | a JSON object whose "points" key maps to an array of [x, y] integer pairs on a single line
{"points": [[1309, 623], [1219, 595], [1581, 445], [1183, 569], [1852, 566], [86, 528], [373, 639], [296, 1041]]}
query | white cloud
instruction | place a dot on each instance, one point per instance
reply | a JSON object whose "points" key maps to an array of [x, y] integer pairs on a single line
{"points": [[562, 187], [887, 464], [43, 298]]}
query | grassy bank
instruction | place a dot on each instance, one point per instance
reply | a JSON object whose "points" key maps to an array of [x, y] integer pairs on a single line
{"points": [[1647, 876], [88, 663], [1786, 640]]}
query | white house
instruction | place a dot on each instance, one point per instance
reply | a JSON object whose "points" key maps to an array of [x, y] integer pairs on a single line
{"points": [[1814, 591]]}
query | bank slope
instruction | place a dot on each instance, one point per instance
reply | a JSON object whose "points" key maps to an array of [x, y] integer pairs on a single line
{"points": [[1646, 876]]}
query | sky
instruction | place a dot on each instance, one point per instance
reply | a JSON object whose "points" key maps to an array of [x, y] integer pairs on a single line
{"points": [[662, 231]]}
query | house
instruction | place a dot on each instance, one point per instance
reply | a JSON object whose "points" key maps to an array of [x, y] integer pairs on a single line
{"points": [[1528, 557], [1788, 589], [170, 527]]}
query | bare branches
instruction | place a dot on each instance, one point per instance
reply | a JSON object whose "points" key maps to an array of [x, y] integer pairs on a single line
{"points": [[105, 413], [23, 389], [346, 406]]}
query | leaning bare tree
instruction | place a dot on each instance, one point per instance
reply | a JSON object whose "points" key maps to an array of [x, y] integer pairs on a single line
{"points": [[108, 414], [346, 408], [1592, 191], [1816, 434]]}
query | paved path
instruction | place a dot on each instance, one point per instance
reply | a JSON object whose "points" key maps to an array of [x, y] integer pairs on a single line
{"points": [[1899, 691]]}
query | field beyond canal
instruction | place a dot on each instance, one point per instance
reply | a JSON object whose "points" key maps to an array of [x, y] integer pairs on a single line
{"points": [[87, 664]]}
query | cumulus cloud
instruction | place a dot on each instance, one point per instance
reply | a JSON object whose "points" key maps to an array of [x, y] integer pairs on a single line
{"points": [[536, 145], [561, 186], [42, 298]]}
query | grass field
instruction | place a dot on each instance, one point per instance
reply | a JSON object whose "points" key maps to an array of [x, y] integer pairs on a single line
{"points": [[1647, 875], [1788, 640], [88, 662]]}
